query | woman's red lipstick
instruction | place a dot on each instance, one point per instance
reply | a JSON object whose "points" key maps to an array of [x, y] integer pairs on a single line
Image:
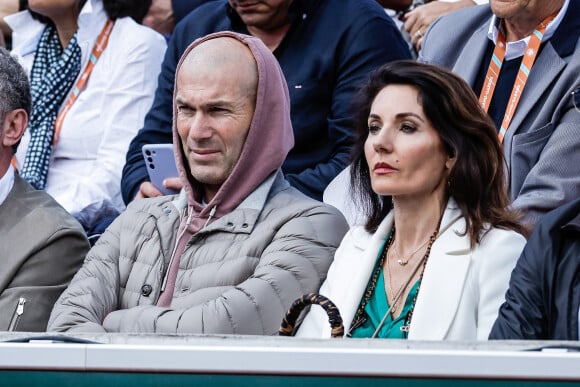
{"points": [[383, 168]]}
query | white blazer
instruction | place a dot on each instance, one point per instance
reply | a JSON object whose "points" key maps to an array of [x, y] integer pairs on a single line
{"points": [[461, 291]]}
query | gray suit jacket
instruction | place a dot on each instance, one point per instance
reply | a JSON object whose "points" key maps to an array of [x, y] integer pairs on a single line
{"points": [[542, 145], [41, 248]]}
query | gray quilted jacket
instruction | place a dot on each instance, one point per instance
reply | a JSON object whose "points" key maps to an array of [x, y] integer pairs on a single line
{"points": [[237, 275]]}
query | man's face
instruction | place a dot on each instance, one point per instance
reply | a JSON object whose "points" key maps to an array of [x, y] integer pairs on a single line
{"points": [[215, 105], [262, 14], [509, 9]]}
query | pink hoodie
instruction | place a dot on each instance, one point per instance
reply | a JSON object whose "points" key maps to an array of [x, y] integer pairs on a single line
{"points": [[269, 140]]}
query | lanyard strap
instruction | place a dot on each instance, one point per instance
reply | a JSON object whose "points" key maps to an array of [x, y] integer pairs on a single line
{"points": [[494, 69], [98, 49]]}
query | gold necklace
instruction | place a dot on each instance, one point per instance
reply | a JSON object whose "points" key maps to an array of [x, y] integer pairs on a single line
{"points": [[394, 299], [407, 324], [421, 264], [403, 262]]}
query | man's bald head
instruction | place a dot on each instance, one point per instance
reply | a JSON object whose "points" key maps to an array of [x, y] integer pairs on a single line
{"points": [[221, 57], [215, 101]]}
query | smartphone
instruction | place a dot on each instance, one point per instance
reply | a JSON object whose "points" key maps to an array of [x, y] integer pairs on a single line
{"points": [[160, 163]]}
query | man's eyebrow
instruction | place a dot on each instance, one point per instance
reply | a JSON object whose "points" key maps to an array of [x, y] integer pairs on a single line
{"points": [[219, 102], [179, 101]]}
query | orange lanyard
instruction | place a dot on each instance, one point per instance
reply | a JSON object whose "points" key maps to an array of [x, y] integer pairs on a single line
{"points": [[98, 48], [495, 66]]}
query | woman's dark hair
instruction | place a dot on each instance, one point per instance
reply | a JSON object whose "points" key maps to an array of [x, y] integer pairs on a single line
{"points": [[477, 179], [115, 9]]}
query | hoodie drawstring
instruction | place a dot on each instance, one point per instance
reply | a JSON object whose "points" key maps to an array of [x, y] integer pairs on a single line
{"points": [[211, 214], [179, 236]]}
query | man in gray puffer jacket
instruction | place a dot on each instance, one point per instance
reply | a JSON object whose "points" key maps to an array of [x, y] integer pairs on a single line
{"points": [[232, 251]]}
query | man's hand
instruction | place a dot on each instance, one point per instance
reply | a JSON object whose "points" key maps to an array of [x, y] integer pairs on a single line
{"points": [[418, 20], [148, 190], [160, 17]]}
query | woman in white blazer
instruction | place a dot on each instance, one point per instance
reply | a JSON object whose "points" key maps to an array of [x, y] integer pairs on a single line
{"points": [[434, 258]]}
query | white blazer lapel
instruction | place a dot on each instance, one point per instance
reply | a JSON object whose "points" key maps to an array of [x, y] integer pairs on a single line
{"points": [[443, 279], [356, 275]]}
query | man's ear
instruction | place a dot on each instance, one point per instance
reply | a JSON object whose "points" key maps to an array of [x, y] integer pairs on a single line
{"points": [[15, 122]]}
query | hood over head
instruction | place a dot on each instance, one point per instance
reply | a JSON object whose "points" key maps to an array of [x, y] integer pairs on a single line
{"points": [[269, 139]]}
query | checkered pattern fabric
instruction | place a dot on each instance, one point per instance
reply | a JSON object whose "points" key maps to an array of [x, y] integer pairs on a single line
{"points": [[53, 74]]}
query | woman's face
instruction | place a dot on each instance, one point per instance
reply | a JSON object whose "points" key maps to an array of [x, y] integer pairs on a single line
{"points": [[404, 153]]}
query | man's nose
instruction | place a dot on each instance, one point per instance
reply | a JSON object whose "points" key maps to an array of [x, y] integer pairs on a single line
{"points": [[200, 127]]}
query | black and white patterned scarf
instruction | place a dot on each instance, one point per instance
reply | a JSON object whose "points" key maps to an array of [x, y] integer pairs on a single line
{"points": [[54, 72]]}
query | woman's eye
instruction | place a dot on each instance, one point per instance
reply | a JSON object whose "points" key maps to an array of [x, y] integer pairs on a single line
{"points": [[374, 128], [407, 128]]}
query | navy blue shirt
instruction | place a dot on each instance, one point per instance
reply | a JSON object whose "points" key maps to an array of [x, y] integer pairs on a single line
{"points": [[182, 7], [331, 47], [504, 85]]}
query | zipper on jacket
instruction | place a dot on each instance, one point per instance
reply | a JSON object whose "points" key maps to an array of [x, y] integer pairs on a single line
{"points": [[17, 314], [187, 223]]}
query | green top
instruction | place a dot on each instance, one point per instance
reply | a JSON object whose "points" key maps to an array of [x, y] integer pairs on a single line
{"points": [[376, 308]]}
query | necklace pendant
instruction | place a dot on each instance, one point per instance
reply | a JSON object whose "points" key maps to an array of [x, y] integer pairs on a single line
{"points": [[401, 262]]}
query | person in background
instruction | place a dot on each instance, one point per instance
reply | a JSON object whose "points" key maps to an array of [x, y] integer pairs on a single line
{"points": [[232, 251], [424, 13], [41, 245], [325, 48], [92, 72], [525, 88], [7, 7], [433, 260], [163, 15], [413, 17], [543, 299]]}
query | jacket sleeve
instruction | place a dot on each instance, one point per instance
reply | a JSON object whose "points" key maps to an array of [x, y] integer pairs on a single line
{"points": [[522, 316], [497, 256], [42, 277], [294, 263], [93, 292], [368, 45], [157, 125], [553, 180]]}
